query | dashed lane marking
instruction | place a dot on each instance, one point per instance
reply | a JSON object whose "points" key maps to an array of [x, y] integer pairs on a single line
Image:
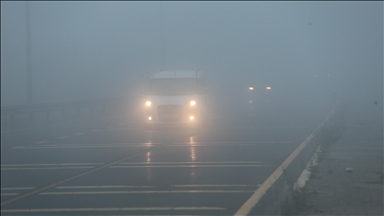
{"points": [[225, 143], [202, 208], [102, 187], [45, 168], [78, 134], [198, 208], [138, 186], [8, 167], [215, 185], [106, 145], [144, 192], [190, 166], [256, 142], [60, 164], [77, 176], [78, 146], [18, 188], [195, 162], [9, 194]]}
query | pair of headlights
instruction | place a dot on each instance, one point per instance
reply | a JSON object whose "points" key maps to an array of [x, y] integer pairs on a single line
{"points": [[149, 103]]}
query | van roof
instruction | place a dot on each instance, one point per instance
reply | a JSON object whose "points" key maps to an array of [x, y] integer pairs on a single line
{"points": [[178, 74]]}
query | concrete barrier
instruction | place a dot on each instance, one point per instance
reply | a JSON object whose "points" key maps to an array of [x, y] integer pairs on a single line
{"points": [[275, 195]]}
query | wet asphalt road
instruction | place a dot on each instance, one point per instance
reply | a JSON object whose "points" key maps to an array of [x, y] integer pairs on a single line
{"points": [[113, 166]]}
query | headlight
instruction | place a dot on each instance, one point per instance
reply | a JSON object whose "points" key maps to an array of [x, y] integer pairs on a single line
{"points": [[192, 103], [148, 103]]}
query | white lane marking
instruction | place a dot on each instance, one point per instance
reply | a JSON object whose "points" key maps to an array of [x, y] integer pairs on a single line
{"points": [[63, 137], [9, 194], [45, 168], [84, 146], [106, 145], [113, 209], [101, 192], [212, 145], [60, 164], [78, 134], [144, 192], [212, 191], [41, 142], [104, 186], [234, 143], [198, 208], [215, 185], [18, 188], [195, 162], [190, 166]]}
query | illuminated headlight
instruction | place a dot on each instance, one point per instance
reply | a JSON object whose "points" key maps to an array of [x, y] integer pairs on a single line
{"points": [[149, 118], [192, 103], [148, 103], [191, 117]]}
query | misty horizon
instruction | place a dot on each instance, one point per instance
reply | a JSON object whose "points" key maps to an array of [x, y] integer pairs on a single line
{"points": [[91, 50]]}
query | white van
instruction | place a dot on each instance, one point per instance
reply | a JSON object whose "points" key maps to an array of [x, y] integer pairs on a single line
{"points": [[175, 97]]}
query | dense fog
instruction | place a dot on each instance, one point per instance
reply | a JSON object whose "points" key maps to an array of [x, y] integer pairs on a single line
{"points": [[306, 51]]}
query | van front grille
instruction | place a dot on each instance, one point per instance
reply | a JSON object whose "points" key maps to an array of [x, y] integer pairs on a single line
{"points": [[170, 113]]}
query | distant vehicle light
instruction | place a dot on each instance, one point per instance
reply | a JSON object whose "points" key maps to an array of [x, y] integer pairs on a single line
{"points": [[149, 118], [268, 88], [191, 117], [192, 103], [251, 88], [148, 103]]}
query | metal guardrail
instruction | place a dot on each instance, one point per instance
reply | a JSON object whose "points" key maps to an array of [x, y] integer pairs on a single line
{"points": [[48, 108]]}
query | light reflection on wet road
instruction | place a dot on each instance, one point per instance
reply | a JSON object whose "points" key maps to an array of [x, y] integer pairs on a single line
{"points": [[119, 168]]}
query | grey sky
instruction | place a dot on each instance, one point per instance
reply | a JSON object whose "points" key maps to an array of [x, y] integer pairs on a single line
{"points": [[85, 50]]}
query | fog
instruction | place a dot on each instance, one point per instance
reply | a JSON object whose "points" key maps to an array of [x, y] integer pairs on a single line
{"points": [[305, 51]]}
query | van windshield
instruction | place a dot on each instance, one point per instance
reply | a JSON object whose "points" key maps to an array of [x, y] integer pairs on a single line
{"points": [[173, 86]]}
